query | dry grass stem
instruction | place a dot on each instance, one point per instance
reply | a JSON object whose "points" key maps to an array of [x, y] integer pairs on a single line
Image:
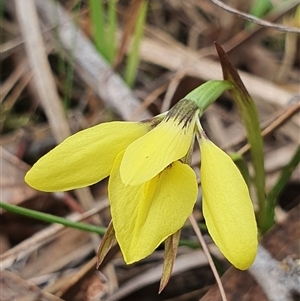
{"points": [[255, 20], [208, 256]]}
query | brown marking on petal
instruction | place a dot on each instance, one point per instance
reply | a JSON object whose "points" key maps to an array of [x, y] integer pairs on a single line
{"points": [[153, 121], [183, 112]]}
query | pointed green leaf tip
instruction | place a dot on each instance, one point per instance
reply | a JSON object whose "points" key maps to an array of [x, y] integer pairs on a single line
{"points": [[207, 93]]}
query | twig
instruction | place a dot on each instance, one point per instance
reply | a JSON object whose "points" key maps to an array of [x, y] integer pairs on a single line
{"points": [[245, 36], [36, 52], [13, 287], [290, 53], [44, 236], [44, 82], [209, 258], [278, 122], [253, 19], [172, 87], [173, 55], [278, 280], [182, 263], [91, 67], [8, 84]]}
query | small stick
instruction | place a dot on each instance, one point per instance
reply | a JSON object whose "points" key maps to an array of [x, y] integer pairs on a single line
{"points": [[253, 19], [206, 252]]}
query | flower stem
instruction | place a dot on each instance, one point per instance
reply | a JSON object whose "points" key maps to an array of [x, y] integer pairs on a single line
{"points": [[49, 218], [209, 258]]}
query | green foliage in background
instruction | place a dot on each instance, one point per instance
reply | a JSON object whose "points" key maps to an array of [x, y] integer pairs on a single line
{"points": [[105, 29]]}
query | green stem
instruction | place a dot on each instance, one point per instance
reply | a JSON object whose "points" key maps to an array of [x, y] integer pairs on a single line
{"points": [[49, 218], [209, 92], [133, 55], [112, 29], [98, 23]]}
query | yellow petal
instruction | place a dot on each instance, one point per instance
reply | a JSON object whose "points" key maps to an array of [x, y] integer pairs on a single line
{"points": [[85, 157], [227, 206], [145, 215], [150, 154]]}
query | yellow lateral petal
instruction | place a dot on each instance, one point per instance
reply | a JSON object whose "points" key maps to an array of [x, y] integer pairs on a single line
{"points": [[85, 157], [145, 215], [150, 154], [227, 206]]}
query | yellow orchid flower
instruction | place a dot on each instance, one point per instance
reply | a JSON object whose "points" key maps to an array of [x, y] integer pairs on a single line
{"points": [[151, 192], [152, 189]]}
